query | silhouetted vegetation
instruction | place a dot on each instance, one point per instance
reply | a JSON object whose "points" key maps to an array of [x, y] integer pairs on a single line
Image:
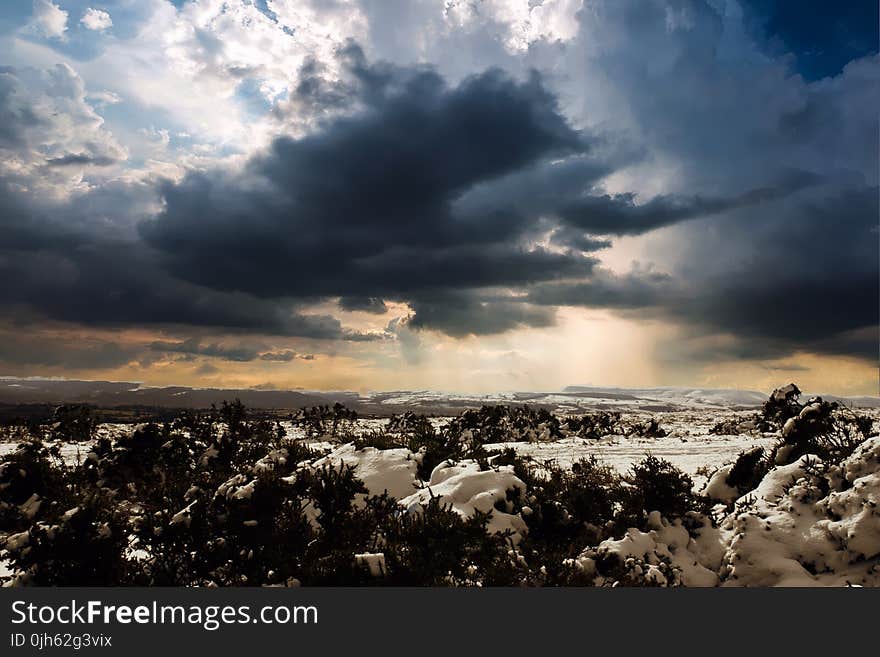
{"points": [[220, 498]]}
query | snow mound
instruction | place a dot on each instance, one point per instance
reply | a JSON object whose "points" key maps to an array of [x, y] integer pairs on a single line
{"points": [[717, 487], [387, 470], [466, 489], [809, 524], [665, 555]]}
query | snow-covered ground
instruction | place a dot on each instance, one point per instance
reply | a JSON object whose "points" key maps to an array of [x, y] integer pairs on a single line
{"points": [[806, 523], [689, 444], [578, 399], [690, 454]]}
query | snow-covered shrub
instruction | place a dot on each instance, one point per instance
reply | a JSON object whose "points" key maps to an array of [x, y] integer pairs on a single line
{"points": [[665, 554], [648, 429], [379, 440], [79, 546], [655, 484], [563, 509], [809, 523], [221, 499], [408, 424], [28, 476], [439, 546], [392, 471], [594, 426], [821, 428], [740, 425], [748, 470], [500, 423], [730, 481], [781, 405], [448, 444], [466, 488]]}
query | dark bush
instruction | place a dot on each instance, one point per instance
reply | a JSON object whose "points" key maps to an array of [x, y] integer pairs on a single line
{"points": [[74, 423], [823, 429], [649, 429], [781, 405], [499, 424], [593, 426], [334, 421], [83, 546], [748, 470], [657, 485], [217, 498]]}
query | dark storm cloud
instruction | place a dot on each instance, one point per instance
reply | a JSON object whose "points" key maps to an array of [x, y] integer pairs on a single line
{"points": [[77, 271], [806, 279], [241, 353], [28, 349], [619, 214], [192, 346], [810, 278], [285, 356], [314, 92], [636, 290], [363, 206], [565, 192], [426, 192], [115, 285], [372, 305], [464, 313], [363, 209], [570, 237]]}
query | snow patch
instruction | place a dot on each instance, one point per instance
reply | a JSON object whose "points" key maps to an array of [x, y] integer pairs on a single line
{"points": [[391, 471], [466, 489]]}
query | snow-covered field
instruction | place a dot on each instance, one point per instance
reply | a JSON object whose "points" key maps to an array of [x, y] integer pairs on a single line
{"points": [[692, 454], [802, 522], [689, 445]]}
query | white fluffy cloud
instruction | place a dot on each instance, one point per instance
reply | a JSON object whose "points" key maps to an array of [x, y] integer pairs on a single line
{"points": [[525, 21], [48, 19], [52, 138], [96, 19]]}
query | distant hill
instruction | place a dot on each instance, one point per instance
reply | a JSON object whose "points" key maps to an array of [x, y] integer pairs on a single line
{"points": [[111, 394], [117, 395]]}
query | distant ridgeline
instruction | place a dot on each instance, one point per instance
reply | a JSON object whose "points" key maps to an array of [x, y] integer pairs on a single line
{"points": [[24, 397]]}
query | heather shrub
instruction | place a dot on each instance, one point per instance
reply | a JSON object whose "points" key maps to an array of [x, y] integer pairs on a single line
{"points": [[333, 421], [656, 485], [223, 499], [649, 429], [748, 470], [818, 427], [593, 426], [74, 423], [500, 423], [81, 546], [29, 476]]}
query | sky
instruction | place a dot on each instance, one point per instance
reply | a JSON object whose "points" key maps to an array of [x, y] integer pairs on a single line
{"points": [[439, 194]]}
